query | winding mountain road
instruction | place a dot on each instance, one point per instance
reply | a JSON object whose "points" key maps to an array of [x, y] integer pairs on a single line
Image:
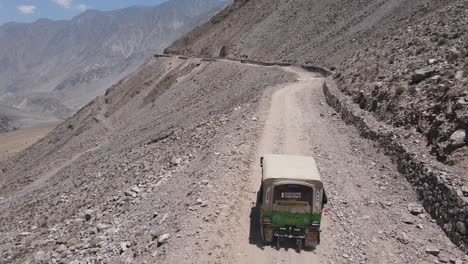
{"points": [[369, 198], [368, 219], [284, 133]]}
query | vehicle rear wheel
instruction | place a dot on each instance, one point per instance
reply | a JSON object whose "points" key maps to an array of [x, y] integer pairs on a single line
{"points": [[299, 245], [262, 235], [277, 243]]}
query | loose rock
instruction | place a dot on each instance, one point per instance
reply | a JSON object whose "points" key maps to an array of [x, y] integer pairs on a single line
{"points": [[61, 248], [461, 227], [176, 161], [40, 257], [414, 210], [433, 251], [163, 239], [421, 75], [457, 139]]}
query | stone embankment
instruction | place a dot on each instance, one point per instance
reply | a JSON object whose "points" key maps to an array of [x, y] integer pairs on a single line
{"points": [[442, 195]]}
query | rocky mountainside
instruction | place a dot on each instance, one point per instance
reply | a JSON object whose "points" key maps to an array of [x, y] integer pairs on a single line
{"points": [[56, 67], [304, 31], [403, 61], [407, 59], [417, 78], [159, 168], [135, 165]]}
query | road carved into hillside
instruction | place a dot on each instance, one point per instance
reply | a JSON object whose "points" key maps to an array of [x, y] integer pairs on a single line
{"points": [[283, 133], [367, 198]]}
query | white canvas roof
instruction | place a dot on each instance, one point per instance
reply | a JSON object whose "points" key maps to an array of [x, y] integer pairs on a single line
{"points": [[290, 167]]}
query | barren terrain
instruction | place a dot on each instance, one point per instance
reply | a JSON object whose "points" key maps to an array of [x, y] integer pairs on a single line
{"points": [[18, 140], [164, 168], [50, 69], [402, 68], [313, 32], [370, 219], [153, 189]]}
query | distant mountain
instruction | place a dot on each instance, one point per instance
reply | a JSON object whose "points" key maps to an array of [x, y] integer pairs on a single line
{"points": [[53, 68]]}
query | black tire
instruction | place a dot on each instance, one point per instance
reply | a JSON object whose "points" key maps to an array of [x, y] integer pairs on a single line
{"points": [[262, 235], [277, 243], [299, 245]]}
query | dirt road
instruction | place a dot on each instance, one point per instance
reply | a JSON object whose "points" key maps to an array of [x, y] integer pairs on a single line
{"points": [[369, 200], [283, 134]]}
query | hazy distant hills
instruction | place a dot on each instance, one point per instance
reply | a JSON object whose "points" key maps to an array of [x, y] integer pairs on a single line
{"points": [[52, 68]]}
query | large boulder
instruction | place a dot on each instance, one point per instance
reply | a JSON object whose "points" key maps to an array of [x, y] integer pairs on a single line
{"points": [[421, 74], [458, 138]]}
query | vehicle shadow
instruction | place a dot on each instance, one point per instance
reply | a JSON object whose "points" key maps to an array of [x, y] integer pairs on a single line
{"points": [[254, 232]]}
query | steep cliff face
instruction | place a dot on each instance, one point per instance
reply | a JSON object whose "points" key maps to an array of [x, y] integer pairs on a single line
{"points": [[303, 31], [48, 66]]}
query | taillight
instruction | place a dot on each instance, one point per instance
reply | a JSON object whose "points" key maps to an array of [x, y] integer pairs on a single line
{"points": [[266, 221], [315, 225], [268, 235]]}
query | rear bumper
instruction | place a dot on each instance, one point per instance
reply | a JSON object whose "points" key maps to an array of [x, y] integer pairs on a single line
{"points": [[311, 237], [290, 232]]}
